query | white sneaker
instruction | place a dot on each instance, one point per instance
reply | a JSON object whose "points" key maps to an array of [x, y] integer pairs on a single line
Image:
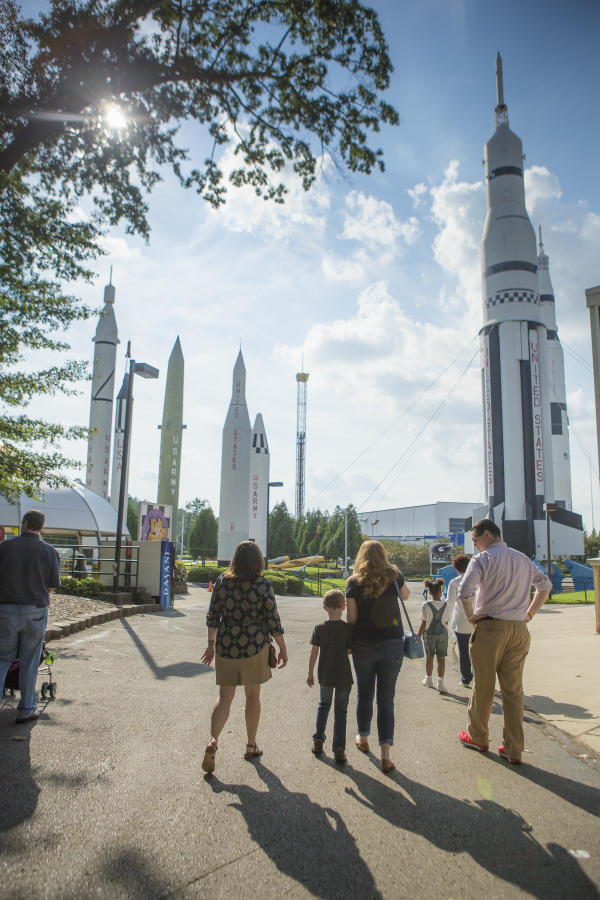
{"points": [[428, 681], [440, 686]]}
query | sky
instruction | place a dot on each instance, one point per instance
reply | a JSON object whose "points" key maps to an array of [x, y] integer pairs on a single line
{"points": [[373, 281]]}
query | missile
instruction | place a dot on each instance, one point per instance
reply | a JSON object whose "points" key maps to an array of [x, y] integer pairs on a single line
{"points": [[171, 435], [557, 391], [119, 444], [259, 479], [101, 402], [235, 468], [514, 355]]}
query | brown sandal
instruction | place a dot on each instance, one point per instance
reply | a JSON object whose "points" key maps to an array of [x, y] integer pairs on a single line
{"points": [[252, 751], [387, 766], [208, 763], [362, 744]]}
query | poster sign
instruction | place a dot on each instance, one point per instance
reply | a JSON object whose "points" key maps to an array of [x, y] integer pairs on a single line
{"points": [[155, 521], [167, 558], [440, 554]]}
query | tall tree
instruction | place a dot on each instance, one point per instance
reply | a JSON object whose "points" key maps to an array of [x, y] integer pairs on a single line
{"points": [[203, 536], [281, 531], [92, 94]]}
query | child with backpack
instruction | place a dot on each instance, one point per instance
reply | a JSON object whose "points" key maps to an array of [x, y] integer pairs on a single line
{"points": [[435, 616]]}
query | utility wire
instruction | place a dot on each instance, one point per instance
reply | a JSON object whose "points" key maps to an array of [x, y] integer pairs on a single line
{"points": [[395, 422], [431, 418], [582, 362]]}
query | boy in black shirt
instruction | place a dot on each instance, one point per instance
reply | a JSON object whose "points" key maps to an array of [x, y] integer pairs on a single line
{"points": [[334, 638]]}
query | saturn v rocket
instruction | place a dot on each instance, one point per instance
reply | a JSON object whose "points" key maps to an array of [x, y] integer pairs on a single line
{"points": [[101, 404], [235, 469], [521, 364]]}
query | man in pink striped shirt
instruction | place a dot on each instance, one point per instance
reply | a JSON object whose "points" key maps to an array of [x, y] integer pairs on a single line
{"points": [[500, 578]]}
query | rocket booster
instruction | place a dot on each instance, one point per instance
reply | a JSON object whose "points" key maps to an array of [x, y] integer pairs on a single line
{"points": [[513, 339], [556, 411], [101, 403], [259, 479], [119, 444], [235, 468], [171, 434]]}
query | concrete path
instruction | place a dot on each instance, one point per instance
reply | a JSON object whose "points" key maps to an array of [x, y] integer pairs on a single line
{"points": [[104, 796]]}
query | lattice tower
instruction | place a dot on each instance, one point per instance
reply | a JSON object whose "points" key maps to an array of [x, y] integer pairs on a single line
{"points": [[301, 379]]}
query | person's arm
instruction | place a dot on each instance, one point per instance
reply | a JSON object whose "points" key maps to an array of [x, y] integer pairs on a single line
{"points": [[468, 587], [209, 654], [282, 656], [543, 586], [212, 624], [422, 628], [274, 625], [314, 652]]}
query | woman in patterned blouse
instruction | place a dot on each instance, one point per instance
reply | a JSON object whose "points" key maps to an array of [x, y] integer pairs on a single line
{"points": [[242, 617]]}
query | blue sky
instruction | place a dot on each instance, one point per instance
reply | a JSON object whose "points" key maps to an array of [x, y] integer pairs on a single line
{"points": [[374, 280]]}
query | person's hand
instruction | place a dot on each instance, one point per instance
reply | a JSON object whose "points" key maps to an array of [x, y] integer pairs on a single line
{"points": [[310, 680], [282, 658], [208, 655]]}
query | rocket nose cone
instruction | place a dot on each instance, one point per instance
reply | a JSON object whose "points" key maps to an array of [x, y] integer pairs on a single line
{"points": [[106, 330], [259, 426]]}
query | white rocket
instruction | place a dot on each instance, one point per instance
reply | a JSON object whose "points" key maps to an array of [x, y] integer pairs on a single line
{"points": [[103, 389], [514, 355], [557, 392], [259, 479], [119, 444], [235, 469]]}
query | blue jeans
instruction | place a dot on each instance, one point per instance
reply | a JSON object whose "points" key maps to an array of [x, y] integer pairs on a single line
{"points": [[340, 708], [22, 631], [377, 666], [466, 672]]}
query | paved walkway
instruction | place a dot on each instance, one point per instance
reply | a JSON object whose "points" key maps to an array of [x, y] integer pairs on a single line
{"points": [[104, 795]]}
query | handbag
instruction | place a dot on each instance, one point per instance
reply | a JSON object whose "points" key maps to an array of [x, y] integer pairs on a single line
{"points": [[413, 645], [272, 655]]}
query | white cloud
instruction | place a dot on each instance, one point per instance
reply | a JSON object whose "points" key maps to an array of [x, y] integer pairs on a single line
{"points": [[374, 223], [337, 268], [417, 194], [542, 190]]}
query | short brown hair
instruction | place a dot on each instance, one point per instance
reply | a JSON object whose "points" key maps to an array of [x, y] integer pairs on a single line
{"points": [[485, 525], [33, 520], [461, 562], [247, 563], [334, 599]]}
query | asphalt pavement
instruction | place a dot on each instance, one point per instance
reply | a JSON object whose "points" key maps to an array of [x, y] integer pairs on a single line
{"points": [[104, 795]]}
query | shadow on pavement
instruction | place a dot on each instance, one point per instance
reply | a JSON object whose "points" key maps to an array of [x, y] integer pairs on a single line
{"points": [[18, 788], [578, 794], [498, 839], [181, 669], [306, 841], [546, 706]]}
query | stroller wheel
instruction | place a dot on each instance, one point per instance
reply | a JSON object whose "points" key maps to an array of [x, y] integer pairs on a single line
{"points": [[44, 691], [52, 690]]}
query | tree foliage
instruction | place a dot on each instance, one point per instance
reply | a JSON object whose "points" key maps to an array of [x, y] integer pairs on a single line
{"points": [[281, 82], [203, 536]]}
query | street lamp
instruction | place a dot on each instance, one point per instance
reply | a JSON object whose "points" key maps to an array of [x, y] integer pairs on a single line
{"points": [[270, 484], [373, 524], [146, 371], [550, 507]]}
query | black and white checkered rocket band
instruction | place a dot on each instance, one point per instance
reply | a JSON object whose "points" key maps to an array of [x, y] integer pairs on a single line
{"points": [[516, 296]]}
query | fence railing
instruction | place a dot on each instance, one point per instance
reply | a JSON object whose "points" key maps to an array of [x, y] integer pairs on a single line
{"points": [[99, 563]]}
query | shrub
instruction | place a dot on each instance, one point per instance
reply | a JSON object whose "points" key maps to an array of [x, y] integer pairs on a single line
{"points": [[294, 585], [81, 587], [180, 573], [204, 573]]}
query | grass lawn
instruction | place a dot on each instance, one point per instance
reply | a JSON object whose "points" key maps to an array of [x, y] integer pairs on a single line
{"points": [[573, 597]]}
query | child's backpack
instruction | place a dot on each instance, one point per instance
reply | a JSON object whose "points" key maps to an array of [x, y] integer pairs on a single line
{"points": [[436, 626]]}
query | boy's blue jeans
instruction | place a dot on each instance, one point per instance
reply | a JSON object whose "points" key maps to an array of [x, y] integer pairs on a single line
{"points": [[340, 709], [22, 631], [377, 665]]}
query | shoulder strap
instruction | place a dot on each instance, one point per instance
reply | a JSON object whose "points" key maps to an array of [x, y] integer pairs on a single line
{"points": [[412, 631]]}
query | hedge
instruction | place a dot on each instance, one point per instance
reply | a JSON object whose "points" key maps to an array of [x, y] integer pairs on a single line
{"points": [[282, 584], [81, 587], [204, 573]]}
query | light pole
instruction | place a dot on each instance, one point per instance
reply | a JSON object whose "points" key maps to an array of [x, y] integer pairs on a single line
{"points": [[550, 507], [146, 371], [373, 524], [270, 484], [345, 572]]}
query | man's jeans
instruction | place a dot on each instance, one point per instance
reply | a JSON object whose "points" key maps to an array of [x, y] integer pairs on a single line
{"points": [[22, 631], [377, 665], [340, 708]]}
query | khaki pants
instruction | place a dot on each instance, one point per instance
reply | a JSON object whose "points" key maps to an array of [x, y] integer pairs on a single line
{"points": [[498, 647]]}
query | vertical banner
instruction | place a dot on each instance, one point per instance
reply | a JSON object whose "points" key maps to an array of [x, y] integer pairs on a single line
{"points": [[536, 412], [487, 418], [167, 559]]}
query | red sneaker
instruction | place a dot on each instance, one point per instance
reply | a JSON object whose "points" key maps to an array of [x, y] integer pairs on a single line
{"points": [[512, 759], [465, 739]]}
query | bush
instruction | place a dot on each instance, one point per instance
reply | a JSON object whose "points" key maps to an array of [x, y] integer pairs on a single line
{"points": [[81, 587], [294, 585], [204, 573], [180, 573]]}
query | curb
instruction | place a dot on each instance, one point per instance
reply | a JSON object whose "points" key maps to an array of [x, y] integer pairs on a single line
{"points": [[57, 630]]}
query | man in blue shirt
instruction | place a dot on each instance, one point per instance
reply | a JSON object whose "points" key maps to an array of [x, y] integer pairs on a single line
{"points": [[29, 569]]}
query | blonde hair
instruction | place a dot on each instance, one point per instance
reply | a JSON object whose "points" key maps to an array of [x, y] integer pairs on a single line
{"points": [[334, 599], [373, 570], [435, 587]]}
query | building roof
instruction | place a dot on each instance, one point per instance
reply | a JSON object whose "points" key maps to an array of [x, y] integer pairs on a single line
{"points": [[73, 508]]}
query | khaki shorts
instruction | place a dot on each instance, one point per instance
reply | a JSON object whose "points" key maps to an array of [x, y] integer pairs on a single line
{"points": [[244, 670]]}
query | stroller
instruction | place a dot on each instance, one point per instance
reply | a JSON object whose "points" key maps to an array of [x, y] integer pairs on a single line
{"points": [[48, 687]]}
